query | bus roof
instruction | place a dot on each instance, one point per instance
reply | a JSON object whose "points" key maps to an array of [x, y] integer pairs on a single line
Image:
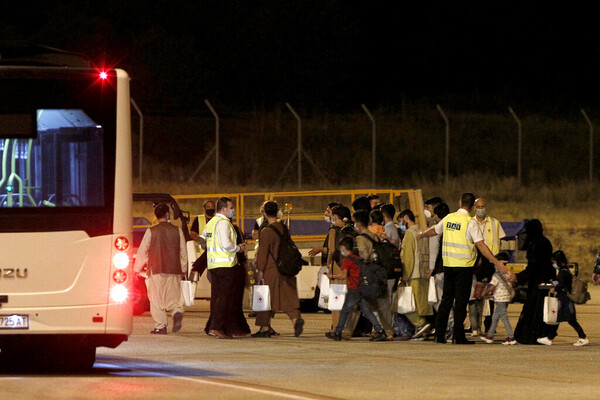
{"points": [[28, 54]]}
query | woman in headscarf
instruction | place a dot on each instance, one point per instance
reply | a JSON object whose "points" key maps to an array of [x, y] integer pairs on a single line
{"points": [[539, 270]]}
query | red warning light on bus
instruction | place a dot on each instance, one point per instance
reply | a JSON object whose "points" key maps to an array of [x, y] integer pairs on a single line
{"points": [[103, 75]]}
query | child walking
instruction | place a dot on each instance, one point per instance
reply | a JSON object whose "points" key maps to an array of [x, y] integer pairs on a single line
{"points": [[351, 272], [503, 294], [566, 307]]}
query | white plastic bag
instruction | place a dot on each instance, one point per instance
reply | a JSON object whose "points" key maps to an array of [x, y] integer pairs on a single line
{"points": [[432, 297], [261, 298], [188, 288], [406, 300], [337, 295], [550, 310], [487, 311], [323, 291]]}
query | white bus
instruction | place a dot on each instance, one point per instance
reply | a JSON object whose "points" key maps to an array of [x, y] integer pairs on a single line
{"points": [[65, 209]]}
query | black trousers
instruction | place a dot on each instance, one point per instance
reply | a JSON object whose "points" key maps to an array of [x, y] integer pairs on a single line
{"points": [[552, 330], [226, 298], [457, 290]]}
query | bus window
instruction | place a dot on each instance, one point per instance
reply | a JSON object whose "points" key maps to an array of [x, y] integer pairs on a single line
{"points": [[61, 166]]}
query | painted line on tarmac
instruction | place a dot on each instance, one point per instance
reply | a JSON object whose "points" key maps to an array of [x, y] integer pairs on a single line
{"points": [[288, 394]]}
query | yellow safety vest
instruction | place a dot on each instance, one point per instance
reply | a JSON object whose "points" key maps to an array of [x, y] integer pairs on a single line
{"points": [[457, 250], [216, 256], [201, 223], [492, 234]]}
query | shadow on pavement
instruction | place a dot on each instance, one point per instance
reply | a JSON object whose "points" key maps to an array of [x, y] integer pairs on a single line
{"points": [[113, 366]]}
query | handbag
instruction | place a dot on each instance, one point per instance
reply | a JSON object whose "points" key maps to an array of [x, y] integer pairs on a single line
{"points": [[261, 298], [406, 300], [550, 310], [188, 288], [337, 296], [432, 296]]}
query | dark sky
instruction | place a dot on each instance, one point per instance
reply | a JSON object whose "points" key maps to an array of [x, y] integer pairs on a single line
{"points": [[339, 53]]}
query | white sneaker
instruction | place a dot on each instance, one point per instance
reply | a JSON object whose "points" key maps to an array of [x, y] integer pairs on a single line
{"points": [[545, 340], [475, 333], [582, 342], [509, 342], [487, 339]]}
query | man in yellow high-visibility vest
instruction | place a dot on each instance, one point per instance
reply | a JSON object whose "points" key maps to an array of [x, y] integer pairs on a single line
{"points": [[219, 237], [492, 233], [460, 240]]}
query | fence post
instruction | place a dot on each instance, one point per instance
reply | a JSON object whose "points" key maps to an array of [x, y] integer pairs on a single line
{"points": [[141, 154], [374, 144], [447, 159], [299, 149], [519, 165], [591, 144]]}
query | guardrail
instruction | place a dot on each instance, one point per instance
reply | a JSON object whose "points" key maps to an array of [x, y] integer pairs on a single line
{"points": [[303, 209]]}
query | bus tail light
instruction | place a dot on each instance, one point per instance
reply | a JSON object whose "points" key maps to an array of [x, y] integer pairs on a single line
{"points": [[119, 276], [121, 260], [121, 243], [119, 293]]}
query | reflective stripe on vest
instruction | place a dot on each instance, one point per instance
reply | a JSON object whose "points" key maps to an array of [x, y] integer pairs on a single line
{"points": [[457, 251], [491, 236], [217, 256]]}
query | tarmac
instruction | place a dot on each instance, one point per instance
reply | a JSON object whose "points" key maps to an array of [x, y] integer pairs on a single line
{"points": [[191, 365], [313, 365]]}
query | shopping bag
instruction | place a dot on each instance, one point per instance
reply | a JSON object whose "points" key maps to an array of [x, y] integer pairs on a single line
{"points": [[486, 308], [432, 297], [188, 288], [323, 291], [550, 310], [337, 295], [261, 298], [406, 300]]}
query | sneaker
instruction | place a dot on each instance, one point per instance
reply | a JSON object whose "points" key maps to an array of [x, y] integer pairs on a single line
{"points": [[544, 340], [582, 342], [380, 336], [487, 339], [421, 331], [177, 321], [161, 331], [509, 342], [475, 333]]}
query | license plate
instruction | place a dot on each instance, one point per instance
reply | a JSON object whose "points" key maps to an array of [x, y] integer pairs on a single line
{"points": [[14, 321]]}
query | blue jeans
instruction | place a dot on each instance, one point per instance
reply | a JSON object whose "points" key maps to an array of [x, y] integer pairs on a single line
{"points": [[353, 298], [500, 314]]}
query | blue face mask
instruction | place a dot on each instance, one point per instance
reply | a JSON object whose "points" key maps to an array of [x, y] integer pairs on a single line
{"points": [[343, 253], [402, 227], [231, 213]]}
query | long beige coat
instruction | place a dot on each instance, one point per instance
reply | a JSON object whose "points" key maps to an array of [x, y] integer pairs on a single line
{"points": [[284, 292]]}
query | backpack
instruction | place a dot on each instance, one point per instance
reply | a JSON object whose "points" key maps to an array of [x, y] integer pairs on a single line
{"points": [[373, 280], [579, 291], [289, 260], [388, 256]]}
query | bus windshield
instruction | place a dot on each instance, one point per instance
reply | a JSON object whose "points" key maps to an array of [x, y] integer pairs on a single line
{"points": [[62, 166]]}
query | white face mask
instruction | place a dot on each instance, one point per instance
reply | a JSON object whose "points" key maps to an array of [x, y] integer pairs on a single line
{"points": [[327, 219], [427, 214], [481, 212], [279, 214], [555, 265], [231, 213]]}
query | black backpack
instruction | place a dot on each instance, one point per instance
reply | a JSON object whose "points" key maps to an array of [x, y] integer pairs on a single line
{"points": [[372, 282], [289, 260], [388, 256]]}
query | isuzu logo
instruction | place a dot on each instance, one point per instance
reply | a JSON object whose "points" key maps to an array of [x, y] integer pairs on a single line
{"points": [[13, 273]]}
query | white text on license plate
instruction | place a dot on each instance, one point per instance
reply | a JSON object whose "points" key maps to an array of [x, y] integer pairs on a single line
{"points": [[14, 321]]}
